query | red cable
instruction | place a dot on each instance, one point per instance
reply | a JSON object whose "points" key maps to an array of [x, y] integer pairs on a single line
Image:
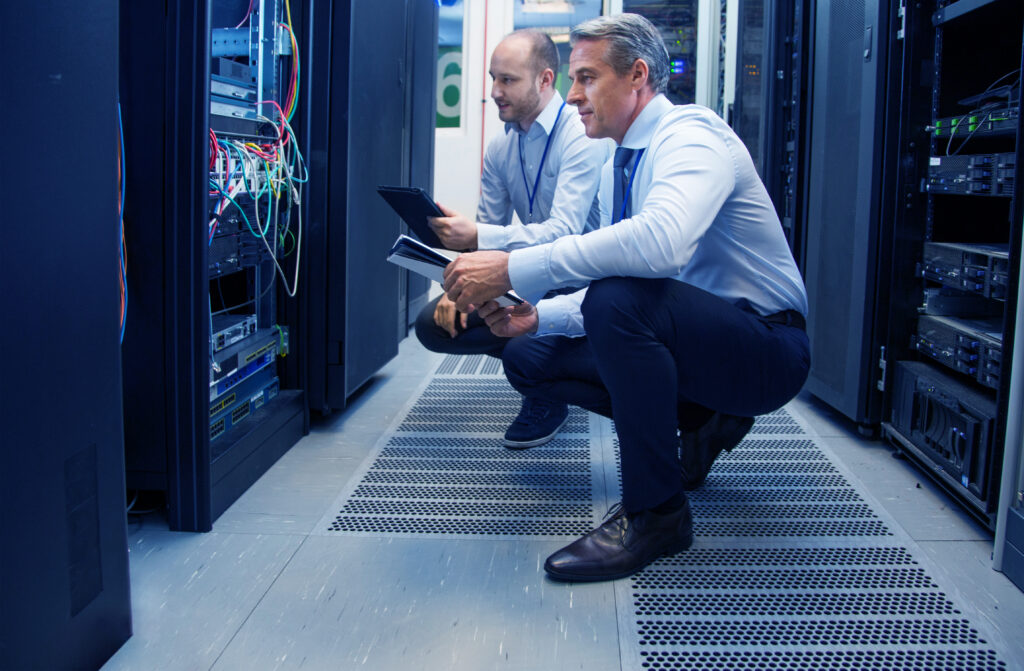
{"points": [[483, 100]]}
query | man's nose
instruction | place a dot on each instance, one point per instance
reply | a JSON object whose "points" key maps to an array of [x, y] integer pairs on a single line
{"points": [[575, 95]]}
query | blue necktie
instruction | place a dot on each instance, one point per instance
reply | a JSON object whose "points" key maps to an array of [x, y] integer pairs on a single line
{"points": [[622, 157]]}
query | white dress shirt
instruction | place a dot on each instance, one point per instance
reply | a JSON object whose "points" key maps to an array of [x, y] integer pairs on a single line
{"points": [[565, 202], [701, 216]]}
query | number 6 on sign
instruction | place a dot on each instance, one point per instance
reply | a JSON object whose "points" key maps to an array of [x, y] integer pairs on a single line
{"points": [[449, 88]]}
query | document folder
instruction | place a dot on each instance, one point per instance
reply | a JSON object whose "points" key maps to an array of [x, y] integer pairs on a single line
{"points": [[417, 257]]}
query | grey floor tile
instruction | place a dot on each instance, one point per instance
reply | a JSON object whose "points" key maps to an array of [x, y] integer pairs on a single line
{"points": [[426, 604], [923, 510], [967, 566], [821, 418], [192, 592], [290, 497], [370, 412], [918, 505]]}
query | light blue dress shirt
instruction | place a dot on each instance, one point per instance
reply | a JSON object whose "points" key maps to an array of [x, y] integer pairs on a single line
{"points": [[565, 202], [702, 216]]}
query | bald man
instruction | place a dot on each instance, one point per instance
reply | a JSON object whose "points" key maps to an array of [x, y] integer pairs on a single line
{"points": [[543, 168]]}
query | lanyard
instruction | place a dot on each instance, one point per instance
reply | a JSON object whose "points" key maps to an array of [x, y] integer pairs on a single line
{"points": [[625, 196], [540, 168]]}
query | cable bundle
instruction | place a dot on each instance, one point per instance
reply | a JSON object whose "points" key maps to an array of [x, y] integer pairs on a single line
{"points": [[266, 173]]}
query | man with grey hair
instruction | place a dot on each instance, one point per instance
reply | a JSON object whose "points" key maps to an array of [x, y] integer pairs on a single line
{"points": [[543, 168], [693, 321]]}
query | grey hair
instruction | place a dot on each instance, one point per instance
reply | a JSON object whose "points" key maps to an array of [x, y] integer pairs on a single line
{"points": [[630, 36], [543, 52]]}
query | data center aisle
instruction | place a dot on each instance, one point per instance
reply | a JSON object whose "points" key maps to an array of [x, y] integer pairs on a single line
{"points": [[400, 534]]}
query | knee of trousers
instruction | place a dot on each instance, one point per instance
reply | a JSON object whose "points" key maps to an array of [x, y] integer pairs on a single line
{"points": [[521, 363], [610, 305], [430, 335]]}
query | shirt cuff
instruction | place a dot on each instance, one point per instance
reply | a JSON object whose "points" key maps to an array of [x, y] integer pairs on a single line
{"points": [[560, 315], [491, 236], [528, 272]]}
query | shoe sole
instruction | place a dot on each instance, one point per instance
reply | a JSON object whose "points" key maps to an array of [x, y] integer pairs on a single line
{"points": [[522, 445], [574, 577]]}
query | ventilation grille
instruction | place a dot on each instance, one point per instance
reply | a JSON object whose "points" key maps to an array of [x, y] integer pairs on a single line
{"points": [[855, 660], [845, 598], [792, 567], [445, 470]]}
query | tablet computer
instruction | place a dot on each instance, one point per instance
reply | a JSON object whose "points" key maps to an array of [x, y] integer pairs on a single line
{"points": [[413, 205]]}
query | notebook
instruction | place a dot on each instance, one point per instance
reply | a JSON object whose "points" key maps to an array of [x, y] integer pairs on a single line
{"points": [[430, 263]]}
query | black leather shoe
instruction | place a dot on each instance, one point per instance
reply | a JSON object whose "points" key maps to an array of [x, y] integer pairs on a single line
{"points": [[623, 545], [699, 448]]}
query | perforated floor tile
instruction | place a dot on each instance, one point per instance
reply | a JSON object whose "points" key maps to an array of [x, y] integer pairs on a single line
{"points": [[793, 566], [793, 569], [444, 470]]}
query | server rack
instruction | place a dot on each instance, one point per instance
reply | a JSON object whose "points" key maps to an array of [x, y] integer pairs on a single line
{"points": [[219, 207], [205, 411], [370, 120], [842, 200], [955, 261], [64, 586]]}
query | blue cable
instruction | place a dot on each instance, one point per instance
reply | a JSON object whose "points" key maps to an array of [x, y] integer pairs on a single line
{"points": [[244, 216], [124, 179]]}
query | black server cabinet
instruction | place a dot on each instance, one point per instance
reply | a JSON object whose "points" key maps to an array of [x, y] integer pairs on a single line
{"points": [[842, 204], [421, 107], [371, 123], [956, 242], [172, 439], [64, 587]]}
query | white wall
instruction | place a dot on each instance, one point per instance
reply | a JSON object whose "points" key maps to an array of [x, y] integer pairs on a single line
{"points": [[458, 156]]}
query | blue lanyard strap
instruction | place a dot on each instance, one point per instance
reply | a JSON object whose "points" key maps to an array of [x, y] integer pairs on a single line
{"points": [[629, 187], [540, 168]]}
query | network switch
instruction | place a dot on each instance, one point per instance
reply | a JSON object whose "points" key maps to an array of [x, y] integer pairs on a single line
{"points": [[259, 390], [243, 389], [1001, 121], [229, 360]]}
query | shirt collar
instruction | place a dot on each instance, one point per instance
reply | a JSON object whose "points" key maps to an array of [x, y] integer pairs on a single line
{"points": [[546, 119], [638, 135]]}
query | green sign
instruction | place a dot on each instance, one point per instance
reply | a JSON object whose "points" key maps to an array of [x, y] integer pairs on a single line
{"points": [[449, 87]]}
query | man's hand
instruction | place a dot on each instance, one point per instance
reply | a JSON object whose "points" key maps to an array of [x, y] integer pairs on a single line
{"points": [[509, 322], [445, 315], [475, 278], [456, 231]]}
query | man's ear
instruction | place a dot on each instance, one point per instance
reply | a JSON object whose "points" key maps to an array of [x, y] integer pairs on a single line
{"points": [[547, 78], [639, 73]]}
